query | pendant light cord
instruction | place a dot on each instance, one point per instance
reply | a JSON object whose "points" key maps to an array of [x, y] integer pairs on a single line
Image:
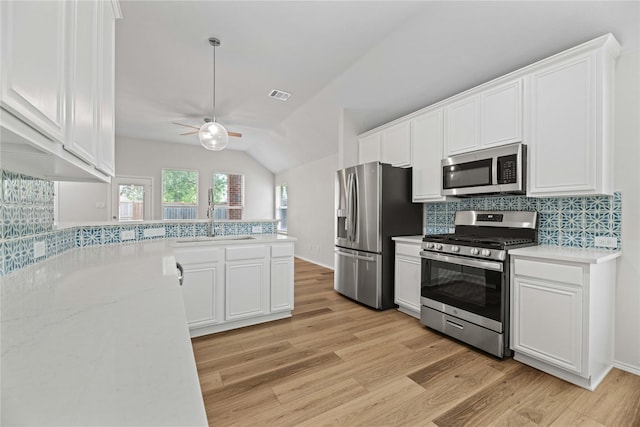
{"points": [[214, 84]]}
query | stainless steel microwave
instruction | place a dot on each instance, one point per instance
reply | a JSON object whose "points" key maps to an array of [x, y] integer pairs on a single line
{"points": [[499, 170]]}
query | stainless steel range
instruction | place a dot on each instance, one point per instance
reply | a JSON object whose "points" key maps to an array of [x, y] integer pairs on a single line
{"points": [[465, 276]]}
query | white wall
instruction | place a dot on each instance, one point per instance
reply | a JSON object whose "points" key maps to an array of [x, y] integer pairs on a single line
{"points": [[310, 210], [627, 180], [143, 158]]}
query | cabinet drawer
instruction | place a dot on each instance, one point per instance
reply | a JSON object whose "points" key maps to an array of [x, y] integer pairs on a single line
{"points": [[246, 252], [198, 255], [408, 249], [549, 271], [281, 250]]}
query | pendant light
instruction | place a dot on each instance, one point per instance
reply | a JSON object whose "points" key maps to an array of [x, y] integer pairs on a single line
{"points": [[212, 135]]}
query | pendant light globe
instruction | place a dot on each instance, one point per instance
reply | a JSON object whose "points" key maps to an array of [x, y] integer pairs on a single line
{"points": [[213, 136]]}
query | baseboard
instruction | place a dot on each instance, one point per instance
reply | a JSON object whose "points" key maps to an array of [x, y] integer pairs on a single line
{"points": [[626, 367], [314, 262]]}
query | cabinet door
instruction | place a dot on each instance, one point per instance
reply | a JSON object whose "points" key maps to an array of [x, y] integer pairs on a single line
{"points": [[427, 154], [33, 56], [282, 284], [246, 286], [106, 137], [547, 323], [502, 114], [396, 145], [407, 283], [463, 126], [199, 291], [369, 149], [82, 99], [562, 128], [282, 270]]}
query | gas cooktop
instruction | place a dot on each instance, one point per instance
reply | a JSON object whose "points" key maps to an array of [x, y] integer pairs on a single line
{"points": [[486, 234]]}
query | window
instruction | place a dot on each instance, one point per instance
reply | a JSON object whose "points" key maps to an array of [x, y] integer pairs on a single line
{"points": [[281, 207], [228, 195], [179, 194], [131, 199]]}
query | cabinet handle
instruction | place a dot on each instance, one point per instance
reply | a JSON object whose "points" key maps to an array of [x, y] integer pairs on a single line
{"points": [[181, 273]]}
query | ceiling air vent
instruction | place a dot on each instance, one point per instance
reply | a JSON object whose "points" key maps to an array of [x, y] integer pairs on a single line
{"points": [[279, 94]]}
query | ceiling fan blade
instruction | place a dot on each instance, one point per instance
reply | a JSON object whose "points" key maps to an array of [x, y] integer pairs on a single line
{"points": [[188, 126], [236, 134], [190, 133]]}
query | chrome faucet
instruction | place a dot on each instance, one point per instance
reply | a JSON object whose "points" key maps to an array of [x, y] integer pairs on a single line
{"points": [[210, 209]]}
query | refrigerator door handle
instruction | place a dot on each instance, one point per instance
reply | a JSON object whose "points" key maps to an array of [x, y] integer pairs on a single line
{"points": [[347, 223], [354, 208], [345, 254], [350, 255]]}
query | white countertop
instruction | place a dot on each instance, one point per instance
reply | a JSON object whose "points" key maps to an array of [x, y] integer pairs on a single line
{"points": [[590, 256], [231, 240], [98, 336], [409, 239], [65, 225]]}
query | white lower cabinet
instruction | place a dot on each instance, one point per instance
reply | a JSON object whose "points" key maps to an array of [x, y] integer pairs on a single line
{"points": [[238, 285], [407, 278], [562, 317], [202, 287], [282, 277], [247, 282]]}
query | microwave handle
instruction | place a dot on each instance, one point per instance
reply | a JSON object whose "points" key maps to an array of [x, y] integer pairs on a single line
{"points": [[494, 170]]}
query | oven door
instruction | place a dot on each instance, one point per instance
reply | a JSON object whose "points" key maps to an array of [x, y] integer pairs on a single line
{"points": [[468, 288]]}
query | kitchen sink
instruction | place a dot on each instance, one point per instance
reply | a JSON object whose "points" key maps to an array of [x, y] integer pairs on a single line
{"points": [[214, 238]]}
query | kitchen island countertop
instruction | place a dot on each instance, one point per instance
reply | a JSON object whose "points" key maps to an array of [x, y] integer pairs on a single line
{"points": [[98, 336]]}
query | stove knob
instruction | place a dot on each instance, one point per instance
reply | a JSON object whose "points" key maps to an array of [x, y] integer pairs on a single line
{"points": [[439, 246], [474, 251], [429, 245], [455, 249], [486, 252]]}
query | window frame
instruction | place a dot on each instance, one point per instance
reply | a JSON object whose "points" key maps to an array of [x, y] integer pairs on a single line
{"points": [[278, 207], [146, 182], [226, 206], [162, 202]]}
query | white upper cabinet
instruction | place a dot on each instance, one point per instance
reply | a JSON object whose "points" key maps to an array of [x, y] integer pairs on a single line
{"points": [[463, 126], [369, 148], [33, 56], [502, 114], [486, 119], [396, 145], [106, 93], [427, 131], [57, 82], [390, 145], [570, 123], [82, 99]]}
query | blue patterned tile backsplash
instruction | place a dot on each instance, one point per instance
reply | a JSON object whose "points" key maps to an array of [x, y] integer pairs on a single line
{"points": [[564, 221], [26, 217]]}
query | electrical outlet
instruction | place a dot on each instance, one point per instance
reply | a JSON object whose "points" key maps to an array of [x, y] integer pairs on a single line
{"points": [[39, 249], [256, 229], [153, 232], [128, 235], [606, 242], [100, 205]]}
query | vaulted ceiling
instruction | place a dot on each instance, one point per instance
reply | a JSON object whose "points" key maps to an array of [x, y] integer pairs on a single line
{"points": [[372, 61]]}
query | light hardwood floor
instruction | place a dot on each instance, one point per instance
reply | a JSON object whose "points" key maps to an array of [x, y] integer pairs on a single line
{"points": [[337, 362]]}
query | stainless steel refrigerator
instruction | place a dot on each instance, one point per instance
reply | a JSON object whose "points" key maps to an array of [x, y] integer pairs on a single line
{"points": [[373, 204]]}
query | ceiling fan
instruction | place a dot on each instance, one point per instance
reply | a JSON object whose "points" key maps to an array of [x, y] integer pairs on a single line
{"points": [[196, 129]]}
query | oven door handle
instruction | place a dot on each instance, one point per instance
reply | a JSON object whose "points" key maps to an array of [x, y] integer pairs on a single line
{"points": [[468, 262]]}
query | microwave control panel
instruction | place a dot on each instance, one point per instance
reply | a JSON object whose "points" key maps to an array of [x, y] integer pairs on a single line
{"points": [[508, 169]]}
